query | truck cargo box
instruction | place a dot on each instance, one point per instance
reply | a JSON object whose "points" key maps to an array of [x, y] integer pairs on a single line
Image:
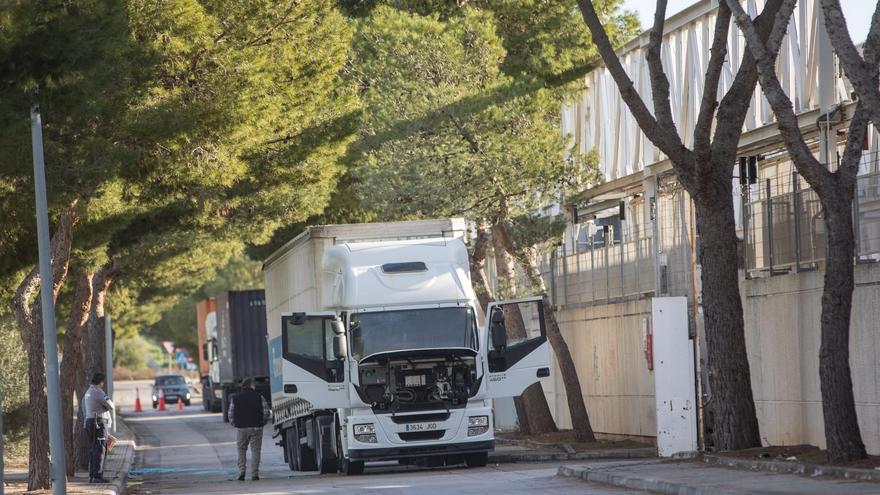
{"points": [[241, 332], [206, 316]]}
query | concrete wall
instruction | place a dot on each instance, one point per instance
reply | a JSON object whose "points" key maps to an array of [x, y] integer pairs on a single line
{"points": [[782, 337], [606, 344]]}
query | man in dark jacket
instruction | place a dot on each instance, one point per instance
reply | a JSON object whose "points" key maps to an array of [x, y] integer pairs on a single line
{"points": [[249, 412], [97, 407]]}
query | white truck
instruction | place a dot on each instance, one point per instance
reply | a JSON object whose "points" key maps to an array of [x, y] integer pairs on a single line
{"points": [[375, 352]]}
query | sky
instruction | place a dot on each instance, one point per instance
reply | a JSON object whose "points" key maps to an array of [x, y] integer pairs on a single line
{"points": [[857, 12]]}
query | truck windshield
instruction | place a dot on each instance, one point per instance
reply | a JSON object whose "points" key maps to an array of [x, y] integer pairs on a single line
{"points": [[429, 328]]}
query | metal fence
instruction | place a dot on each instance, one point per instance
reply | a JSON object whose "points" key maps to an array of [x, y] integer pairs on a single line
{"points": [[784, 227], [606, 264], [601, 273]]}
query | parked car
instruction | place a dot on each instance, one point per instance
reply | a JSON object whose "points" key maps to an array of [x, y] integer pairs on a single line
{"points": [[174, 387]]}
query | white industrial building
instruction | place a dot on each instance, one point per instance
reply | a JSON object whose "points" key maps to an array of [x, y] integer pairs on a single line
{"points": [[632, 239]]}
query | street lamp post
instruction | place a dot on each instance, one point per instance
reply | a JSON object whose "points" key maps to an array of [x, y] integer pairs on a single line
{"points": [[50, 342]]}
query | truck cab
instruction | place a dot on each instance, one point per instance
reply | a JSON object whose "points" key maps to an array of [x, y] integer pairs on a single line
{"points": [[395, 362]]}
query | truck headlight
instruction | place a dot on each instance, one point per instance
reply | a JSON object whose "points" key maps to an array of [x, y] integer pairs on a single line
{"points": [[477, 425], [187, 396], [365, 433], [478, 421], [154, 398], [364, 429]]}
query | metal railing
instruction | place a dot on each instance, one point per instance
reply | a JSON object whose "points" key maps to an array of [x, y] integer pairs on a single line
{"points": [[784, 226], [600, 273]]}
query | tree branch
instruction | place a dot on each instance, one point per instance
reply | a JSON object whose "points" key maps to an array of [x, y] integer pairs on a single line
{"points": [[664, 137], [659, 81], [862, 73], [812, 170], [24, 306], [703, 128], [852, 151], [734, 105]]}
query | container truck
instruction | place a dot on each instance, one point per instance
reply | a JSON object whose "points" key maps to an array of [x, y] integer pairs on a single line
{"points": [[376, 352], [235, 347], [206, 316]]}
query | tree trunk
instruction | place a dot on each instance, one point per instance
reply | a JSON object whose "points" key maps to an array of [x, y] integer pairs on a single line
{"points": [[532, 409], [477, 266], [580, 419], [38, 451], [94, 350], [27, 308], [842, 433], [733, 419], [72, 363]]}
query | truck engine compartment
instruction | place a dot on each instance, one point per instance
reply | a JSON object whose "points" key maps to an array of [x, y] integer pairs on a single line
{"points": [[404, 381]]}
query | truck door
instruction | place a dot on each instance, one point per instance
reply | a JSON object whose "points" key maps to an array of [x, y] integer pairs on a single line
{"points": [[311, 370], [518, 353]]}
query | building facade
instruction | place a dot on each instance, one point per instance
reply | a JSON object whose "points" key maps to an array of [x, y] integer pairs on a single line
{"points": [[632, 238]]}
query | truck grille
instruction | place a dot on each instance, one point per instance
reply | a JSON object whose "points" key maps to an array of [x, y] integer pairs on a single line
{"points": [[418, 436], [420, 418]]}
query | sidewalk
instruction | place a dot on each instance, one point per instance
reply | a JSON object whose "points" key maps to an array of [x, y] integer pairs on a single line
{"points": [[697, 478], [116, 470], [520, 452]]}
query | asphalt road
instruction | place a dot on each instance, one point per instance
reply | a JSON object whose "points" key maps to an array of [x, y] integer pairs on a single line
{"points": [[190, 451]]}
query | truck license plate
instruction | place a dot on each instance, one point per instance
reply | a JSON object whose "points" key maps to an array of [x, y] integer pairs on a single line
{"points": [[420, 427]]}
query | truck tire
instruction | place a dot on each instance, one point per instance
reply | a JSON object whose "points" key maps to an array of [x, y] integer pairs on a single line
{"points": [[224, 404], [352, 468], [326, 460], [479, 459], [346, 466], [306, 454], [290, 443]]}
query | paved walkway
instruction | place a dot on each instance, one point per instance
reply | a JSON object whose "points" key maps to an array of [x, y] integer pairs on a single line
{"points": [[697, 478], [115, 469]]}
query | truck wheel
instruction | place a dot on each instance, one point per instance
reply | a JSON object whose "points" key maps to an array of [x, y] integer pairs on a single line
{"points": [[326, 461], [306, 455], [479, 459], [352, 468], [291, 443]]}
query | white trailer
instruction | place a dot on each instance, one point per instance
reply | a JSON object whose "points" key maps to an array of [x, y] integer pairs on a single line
{"points": [[376, 353]]}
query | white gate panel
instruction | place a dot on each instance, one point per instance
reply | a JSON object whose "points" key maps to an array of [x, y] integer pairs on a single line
{"points": [[673, 377]]}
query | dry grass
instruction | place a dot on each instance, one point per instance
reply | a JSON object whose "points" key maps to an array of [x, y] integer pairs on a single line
{"points": [[567, 436], [799, 453]]}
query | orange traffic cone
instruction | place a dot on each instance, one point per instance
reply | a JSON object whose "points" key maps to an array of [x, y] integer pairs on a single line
{"points": [[137, 401], [179, 404], [161, 400]]}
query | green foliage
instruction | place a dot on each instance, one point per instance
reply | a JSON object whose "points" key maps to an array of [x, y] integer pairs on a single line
{"points": [[503, 155], [186, 128], [175, 320], [14, 381], [134, 352], [543, 39]]}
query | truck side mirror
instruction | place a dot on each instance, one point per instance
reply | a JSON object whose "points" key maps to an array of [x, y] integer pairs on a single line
{"points": [[338, 327], [340, 346], [498, 330]]}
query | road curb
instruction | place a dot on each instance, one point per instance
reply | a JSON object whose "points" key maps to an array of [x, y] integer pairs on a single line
{"points": [[793, 467], [637, 483], [544, 456]]}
